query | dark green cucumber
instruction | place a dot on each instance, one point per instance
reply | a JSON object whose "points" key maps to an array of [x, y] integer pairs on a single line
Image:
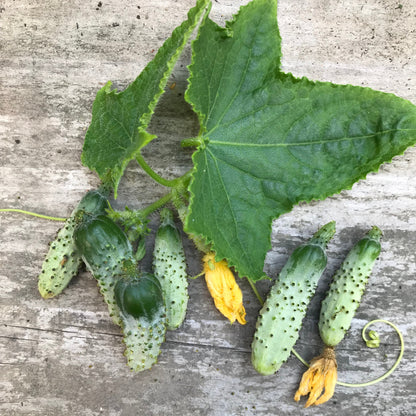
{"points": [[281, 316], [140, 297], [107, 253], [347, 287], [94, 201], [63, 260], [170, 268]]}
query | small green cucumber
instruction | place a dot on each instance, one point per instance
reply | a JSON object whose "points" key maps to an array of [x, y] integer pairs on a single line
{"points": [[143, 340], [143, 319], [107, 253], [139, 296], [170, 268], [280, 318], [347, 287], [63, 260]]}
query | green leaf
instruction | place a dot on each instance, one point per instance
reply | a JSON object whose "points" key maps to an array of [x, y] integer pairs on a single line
{"points": [[119, 119], [270, 140]]}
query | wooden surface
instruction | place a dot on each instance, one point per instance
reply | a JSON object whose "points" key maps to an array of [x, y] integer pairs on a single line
{"points": [[64, 356]]}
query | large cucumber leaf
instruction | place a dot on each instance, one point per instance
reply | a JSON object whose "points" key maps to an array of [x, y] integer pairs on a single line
{"points": [[119, 119], [270, 140]]}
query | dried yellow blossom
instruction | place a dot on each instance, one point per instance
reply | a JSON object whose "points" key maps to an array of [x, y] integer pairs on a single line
{"points": [[320, 379], [224, 289]]}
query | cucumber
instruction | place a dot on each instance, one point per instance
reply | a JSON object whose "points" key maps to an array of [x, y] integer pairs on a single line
{"points": [[347, 287], [280, 319], [337, 310], [63, 260], [134, 300], [140, 297], [143, 340], [170, 268], [143, 318], [107, 253]]}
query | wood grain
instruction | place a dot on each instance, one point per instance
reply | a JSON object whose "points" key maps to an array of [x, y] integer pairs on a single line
{"points": [[64, 356]]}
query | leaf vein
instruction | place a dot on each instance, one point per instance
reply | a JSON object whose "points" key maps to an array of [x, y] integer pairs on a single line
{"points": [[121, 124], [311, 142], [235, 222]]}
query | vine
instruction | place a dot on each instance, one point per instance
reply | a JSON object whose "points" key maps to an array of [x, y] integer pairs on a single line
{"points": [[34, 214], [374, 342]]}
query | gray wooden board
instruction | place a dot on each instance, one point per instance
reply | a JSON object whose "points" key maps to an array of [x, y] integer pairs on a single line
{"points": [[64, 356]]}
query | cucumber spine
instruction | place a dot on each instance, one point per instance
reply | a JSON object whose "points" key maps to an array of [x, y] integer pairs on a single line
{"points": [[280, 318]]}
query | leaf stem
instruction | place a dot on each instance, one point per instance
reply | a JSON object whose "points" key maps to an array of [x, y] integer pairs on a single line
{"points": [[34, 214], [162, 181], [193, 142], [256, 292]]}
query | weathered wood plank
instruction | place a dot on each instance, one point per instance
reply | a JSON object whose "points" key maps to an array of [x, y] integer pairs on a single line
{"points": [[64, 356]]}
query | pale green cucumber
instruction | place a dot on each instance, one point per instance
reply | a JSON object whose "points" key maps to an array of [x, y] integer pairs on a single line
{"points": [[143, 339], [281, 316], [170, 268], [63, 260], [347, 287], [143, 318]]}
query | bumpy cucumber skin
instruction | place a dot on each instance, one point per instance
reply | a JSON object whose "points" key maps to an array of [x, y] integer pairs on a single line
{"points": [[143, 339], [143, 319], [94, 202], [170, 268], [63, 260], [107, 253], [109, 256], [281, 316], [347, 287], [96, 237]]}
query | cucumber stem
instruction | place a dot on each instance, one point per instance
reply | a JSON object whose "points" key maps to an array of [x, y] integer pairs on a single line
{"points": [[166, 217], [323, 235], [156, 205], [128, 215], [374, 234]]}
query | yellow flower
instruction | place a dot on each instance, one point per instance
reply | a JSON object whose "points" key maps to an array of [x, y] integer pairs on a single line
{"points": [[321, 375], [224, 289]]}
